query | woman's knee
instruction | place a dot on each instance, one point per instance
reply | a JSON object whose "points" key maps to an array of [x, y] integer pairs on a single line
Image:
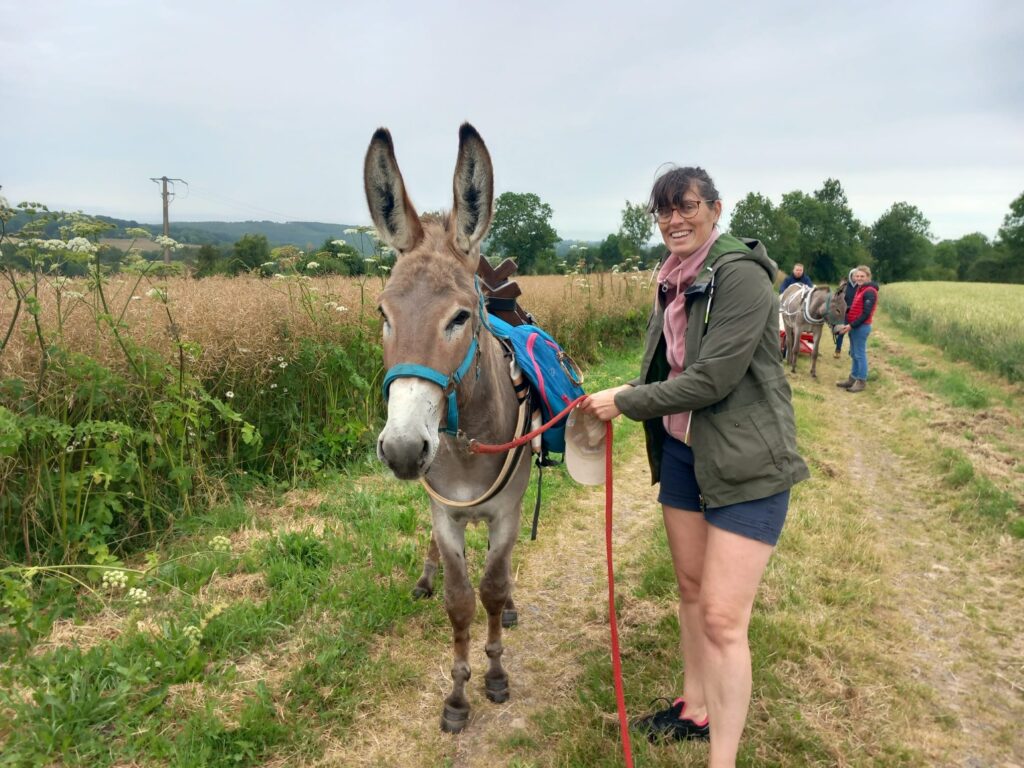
{"points": [[723, 626]]}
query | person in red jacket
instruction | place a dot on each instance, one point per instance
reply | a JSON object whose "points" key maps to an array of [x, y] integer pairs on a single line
{"points": [[858, 326]]}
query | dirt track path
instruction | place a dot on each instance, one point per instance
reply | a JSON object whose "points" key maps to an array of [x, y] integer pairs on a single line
{"points": [[961, 596], [561, 591]]}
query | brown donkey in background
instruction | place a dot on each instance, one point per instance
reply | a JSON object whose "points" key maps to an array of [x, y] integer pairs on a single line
{"points": [[808, 309]]}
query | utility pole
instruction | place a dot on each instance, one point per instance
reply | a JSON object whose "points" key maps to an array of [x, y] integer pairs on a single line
{"points": [[167, 196]]}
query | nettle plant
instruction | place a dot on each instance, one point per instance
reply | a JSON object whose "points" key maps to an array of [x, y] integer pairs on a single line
{"points": [[93, 452]]}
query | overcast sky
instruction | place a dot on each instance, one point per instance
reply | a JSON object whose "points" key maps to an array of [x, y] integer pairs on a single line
{"points": [[266, 108]]}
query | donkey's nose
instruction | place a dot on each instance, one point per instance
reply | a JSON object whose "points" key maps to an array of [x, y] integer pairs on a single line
{"points": [[407, 458]]}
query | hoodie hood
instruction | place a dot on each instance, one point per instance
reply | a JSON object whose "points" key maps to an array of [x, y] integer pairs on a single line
{"points": [[738, 250]]}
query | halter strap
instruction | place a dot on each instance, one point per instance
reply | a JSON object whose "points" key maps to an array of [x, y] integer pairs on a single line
{"points": [[447, 383]]}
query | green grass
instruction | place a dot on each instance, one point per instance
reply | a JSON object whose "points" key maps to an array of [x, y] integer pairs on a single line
{"points": [[334, 584]]}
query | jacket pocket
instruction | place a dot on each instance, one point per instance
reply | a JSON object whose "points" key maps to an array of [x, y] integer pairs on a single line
{"points": [[743, 444]]}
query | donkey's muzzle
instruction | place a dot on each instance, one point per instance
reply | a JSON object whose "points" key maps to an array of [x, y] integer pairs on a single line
{"points": [[409, 459]]}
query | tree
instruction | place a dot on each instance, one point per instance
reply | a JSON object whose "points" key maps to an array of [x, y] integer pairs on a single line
{"points": [[968, 250], [755, 217], [1011, 234], [829, 233], [636, 228], [341, 258], [206, 260], [612, 250], [1009, 250], [899, 244], [249, 253], [522, 230]]}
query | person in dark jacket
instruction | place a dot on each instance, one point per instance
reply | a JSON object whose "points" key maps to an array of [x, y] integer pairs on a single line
{"points": [[848, 292], [858, 325], [796, 276], [721, 440]]}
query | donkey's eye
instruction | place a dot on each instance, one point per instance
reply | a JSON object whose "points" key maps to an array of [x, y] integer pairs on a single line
{"points": [[459, 320]]}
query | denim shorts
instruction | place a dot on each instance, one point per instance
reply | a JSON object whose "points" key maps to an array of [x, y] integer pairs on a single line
{"points": [[760, 519]]}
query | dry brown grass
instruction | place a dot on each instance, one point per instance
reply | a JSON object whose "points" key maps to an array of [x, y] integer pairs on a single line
{"points": [[243, 324]]}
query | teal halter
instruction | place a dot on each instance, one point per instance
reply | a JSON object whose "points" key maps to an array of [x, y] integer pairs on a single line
{"points": [[447, 383]]}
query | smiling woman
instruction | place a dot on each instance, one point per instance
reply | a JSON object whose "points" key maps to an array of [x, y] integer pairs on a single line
{"points": [[722, 442]]}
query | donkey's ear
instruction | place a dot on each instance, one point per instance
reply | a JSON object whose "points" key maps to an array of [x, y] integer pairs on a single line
{"points": [[474, 190], [390, 207]]}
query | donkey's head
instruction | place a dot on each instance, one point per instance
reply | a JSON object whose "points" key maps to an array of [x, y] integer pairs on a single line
{"points": [[835, 312], [430, 304]]}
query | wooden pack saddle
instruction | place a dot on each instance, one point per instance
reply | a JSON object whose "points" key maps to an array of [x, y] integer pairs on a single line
{"points": [[500, 293]]}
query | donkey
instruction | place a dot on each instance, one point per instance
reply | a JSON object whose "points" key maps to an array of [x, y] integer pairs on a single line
{"points": [[449, 377], [805, 308]]}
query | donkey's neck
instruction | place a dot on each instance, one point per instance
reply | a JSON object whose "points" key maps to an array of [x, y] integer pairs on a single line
{"points": [[488, 409], [488, 413]]}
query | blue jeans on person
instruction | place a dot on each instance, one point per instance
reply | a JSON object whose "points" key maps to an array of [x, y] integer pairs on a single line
{"points": [[859, 351]]}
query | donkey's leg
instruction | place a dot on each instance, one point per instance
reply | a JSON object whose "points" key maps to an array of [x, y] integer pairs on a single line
{"points": [[814, 352], [509, 614], [495, 594], [460, 603], [792, 346], [425, 586]]}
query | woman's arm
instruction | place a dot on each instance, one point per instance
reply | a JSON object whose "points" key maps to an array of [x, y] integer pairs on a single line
{"points": [[742, 305]]}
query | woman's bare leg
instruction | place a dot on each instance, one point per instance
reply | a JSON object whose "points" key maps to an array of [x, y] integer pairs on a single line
{"points": [[733, 567], [687, 538]]}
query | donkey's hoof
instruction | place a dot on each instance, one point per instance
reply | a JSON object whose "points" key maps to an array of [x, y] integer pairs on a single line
{"points": [[496, 689], [509, 617], [453, 719], [420, 592]]}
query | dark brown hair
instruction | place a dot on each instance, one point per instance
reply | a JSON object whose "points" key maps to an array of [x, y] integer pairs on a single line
{"points": [[670, 187]]}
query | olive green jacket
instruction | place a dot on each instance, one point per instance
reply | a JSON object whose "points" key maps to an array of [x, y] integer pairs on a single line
{"points": [[742, 431]]}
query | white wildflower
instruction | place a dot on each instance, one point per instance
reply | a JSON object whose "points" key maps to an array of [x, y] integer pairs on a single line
{"points": [[138, 596], [166, 242], [229, 395], [340, 308], [220, 544], [114, 579], [81, 245], [313, 265]]}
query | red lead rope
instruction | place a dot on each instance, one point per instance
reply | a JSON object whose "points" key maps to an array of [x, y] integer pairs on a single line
{"points": [[620, 699]]}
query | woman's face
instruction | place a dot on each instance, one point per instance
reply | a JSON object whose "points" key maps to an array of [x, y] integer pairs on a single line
{"points": [[860, 277], [684, 236]]}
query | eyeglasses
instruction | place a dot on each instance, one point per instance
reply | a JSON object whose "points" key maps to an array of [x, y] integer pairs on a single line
{"points": [[687, 211]]}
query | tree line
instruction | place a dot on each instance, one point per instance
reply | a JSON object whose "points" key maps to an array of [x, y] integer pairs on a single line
{"points": [[818, 230]]}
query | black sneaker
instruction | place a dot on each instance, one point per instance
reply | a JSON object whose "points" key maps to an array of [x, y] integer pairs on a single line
{"points": [[666, 724]]}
